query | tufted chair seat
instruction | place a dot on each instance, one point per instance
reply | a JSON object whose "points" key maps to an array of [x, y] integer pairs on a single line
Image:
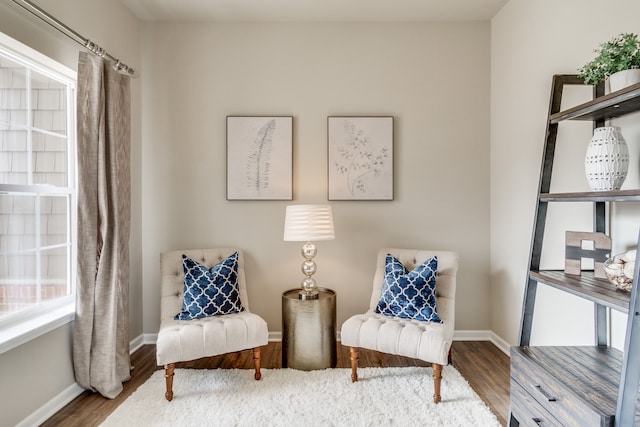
{"points": [[185, 340], [426, 341]]}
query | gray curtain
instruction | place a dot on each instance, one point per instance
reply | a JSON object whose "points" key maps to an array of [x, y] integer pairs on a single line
{"points": [[101, 327]]}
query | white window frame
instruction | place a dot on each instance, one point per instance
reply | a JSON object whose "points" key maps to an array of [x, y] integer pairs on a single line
{"points": [[25, 325]]}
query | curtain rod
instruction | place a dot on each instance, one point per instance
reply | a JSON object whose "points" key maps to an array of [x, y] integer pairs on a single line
{"points": [[73, 35]]}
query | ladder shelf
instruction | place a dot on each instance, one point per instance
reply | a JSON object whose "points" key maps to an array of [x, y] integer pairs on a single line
{"points": [[607, 378]]}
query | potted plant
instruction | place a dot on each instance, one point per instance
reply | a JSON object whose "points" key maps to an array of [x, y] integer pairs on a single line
{"points": [[617, 59]]}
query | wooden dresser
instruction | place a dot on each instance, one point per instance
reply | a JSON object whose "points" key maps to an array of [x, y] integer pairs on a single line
{"points": [[565, 386]]}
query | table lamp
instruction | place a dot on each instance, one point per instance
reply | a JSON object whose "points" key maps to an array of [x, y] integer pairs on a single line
{"points": [[307, 223]]}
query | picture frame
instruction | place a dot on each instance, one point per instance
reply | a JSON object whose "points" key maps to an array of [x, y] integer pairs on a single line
{"points": [[259, 158], [360, 157]]}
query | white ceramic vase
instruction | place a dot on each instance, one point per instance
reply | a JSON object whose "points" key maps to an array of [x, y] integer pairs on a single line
{"points": [[624, 78], [607, 159]]}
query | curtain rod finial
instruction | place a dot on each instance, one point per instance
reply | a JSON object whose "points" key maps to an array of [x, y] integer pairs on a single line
{"points": [[124, 69]]}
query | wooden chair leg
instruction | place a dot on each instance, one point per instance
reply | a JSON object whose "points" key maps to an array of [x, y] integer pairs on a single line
{"points": [[354, 355], [257, 355], [437, 379], [168, 375]]}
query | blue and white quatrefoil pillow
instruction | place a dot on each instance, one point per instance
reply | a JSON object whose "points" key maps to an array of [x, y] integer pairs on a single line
{"points": [[210, 291], [409, 294]]}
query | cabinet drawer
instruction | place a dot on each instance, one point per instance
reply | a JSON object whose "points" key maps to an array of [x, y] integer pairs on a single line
{"points": [[564, 381], [527, 410]]}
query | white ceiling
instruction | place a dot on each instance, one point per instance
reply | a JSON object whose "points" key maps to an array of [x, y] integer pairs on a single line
{"points": [[315, 10]]}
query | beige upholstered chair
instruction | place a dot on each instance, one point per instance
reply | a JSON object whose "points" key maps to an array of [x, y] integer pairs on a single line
{"points": [[185, 340], [422, 340]]}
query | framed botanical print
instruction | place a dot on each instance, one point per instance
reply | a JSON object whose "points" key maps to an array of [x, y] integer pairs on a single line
{"points": [[360, 158], [259, 158]]}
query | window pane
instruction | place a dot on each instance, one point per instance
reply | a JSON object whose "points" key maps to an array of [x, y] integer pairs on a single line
{"points": [[18, 223], [55, 277], [37, 182], [13, 94], [54, 218], [49, 159], [48, 104], [14, 158], [22, 284], [18, 287], [38, 148]]}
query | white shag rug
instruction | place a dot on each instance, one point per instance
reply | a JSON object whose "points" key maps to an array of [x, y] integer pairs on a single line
{"points": [[288, 397]]}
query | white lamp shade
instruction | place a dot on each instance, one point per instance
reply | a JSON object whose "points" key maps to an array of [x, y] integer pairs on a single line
{"points": [[306, 223]]}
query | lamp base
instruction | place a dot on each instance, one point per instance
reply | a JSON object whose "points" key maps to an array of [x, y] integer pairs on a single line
{"points": [[308, 294]]}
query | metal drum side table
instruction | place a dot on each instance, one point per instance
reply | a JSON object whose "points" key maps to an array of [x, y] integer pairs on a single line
{"points": [[309, 330]]}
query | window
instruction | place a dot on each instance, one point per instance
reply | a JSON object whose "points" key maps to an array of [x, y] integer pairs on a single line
{"points": [[37, 190]]}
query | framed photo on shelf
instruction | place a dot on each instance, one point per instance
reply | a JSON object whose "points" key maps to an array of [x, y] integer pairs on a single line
{"points": [[360, 158], [259, 158]]}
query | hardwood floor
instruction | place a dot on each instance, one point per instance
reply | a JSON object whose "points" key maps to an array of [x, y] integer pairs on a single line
{"points": [[481, 363]]}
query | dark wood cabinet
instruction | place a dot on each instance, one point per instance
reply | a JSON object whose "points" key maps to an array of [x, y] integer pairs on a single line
{"points": [[568, 386], [578, 385]]}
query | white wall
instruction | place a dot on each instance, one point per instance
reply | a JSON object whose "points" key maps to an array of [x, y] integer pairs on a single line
{"points": [[194, 75], [37, 372], [433, 78], [531, 41]]}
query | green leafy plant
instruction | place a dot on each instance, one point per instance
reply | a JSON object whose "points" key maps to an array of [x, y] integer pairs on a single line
{"points": [[620, 53]]}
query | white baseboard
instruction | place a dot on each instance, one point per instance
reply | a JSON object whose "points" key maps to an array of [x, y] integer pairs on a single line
{"points": [[51, 407], [500, 343], [482, 336], [47, 410], [471, 335], [276, 336], [145, 339], [136, 343]]}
